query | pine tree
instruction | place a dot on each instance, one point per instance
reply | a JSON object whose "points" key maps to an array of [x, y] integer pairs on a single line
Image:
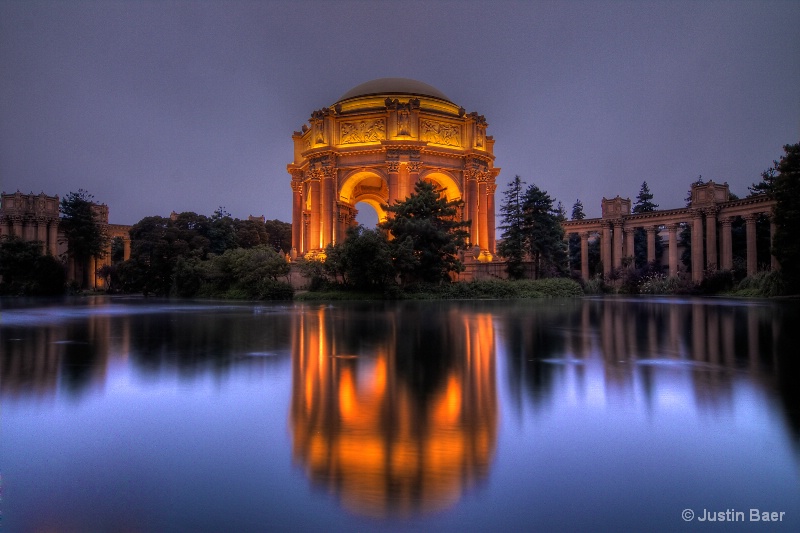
{"points": [[575, 239], [544, 234], [644, 204], [577, 211], [785, 244], [427, 235], [512, 246]]}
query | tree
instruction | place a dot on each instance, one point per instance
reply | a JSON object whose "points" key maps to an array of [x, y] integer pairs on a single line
{"points": [[427, 224], [644, 204], [363, 260], [574, 238], [577, 211], [82, 231], [786, 190], [512, 246], [279, 235], [26, 271], [544, 236]]}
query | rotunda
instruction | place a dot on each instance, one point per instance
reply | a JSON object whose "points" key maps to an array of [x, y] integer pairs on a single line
{"points": [[373, 144]]}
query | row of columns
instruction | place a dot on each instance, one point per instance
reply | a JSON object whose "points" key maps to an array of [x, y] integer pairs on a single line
{"points": [[617, 241], [42, 229]]}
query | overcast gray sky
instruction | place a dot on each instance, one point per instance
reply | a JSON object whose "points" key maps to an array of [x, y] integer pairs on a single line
{"points": [[187, 106]]}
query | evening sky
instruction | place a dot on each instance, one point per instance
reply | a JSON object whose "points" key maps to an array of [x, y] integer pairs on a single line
{"points": [[187, 106]]}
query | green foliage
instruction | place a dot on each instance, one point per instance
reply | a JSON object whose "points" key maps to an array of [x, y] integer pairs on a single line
{"points": [[544, 236], [657, 283], [26, 271], [644, 201], [513, 247], [596, 285], [786, 191], [82, 231], [427, 235], [363, 260], [279, 235], [577, 211], [762, 284]]}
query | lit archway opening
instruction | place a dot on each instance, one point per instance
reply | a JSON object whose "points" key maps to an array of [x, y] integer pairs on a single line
{"points": [[368, 214]]}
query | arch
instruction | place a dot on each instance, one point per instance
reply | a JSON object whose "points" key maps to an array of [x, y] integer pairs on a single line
{"points": [[377, 204], [446, 181], [362, 184]]}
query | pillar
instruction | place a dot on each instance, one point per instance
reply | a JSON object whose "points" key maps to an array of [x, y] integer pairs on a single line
{"points": [[52, 239], [711, 239], [672, 231], [752, 257], [297, 216], [617, 246], [17, 226], [651, 243], [585, 255], [697, 246], [472, 207], [394, 185], [630, 250], [126, 249], [314, 243], [41, 233], [5, 229], [726, 254], [490, 222], [327, 208], [91, 274], [483, 230]]}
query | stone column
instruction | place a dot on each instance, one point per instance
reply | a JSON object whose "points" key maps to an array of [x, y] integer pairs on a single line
{"points": [[394, 178], [651, 243], [617, 259], [490, 190], [773, 263], [4, 228], [314, 243], [297, 216], [483, 230], [16, 221], [91, 274], [726, 259], [711, 239], [672, 230], [630, 250], [752, 257], [472, 206], [697, 246], [41, 230], [327, 207], [585, 255], [605, 249], [126, 249], [52, 239]]}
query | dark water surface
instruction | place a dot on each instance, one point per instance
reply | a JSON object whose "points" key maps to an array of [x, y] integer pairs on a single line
{"points": [[558, 415]]}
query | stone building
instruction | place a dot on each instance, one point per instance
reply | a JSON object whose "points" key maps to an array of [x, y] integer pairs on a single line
{"points": [[373, 144], [36, 218]]}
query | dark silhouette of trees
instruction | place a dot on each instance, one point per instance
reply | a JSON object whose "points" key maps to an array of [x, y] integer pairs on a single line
{"points": [[82, 231], [25, 270], [512, 247], [785, 188], [544, 236], [644, 204], [426, 235]]}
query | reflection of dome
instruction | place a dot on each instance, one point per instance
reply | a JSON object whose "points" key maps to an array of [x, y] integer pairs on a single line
{"points": [[394, 86]]}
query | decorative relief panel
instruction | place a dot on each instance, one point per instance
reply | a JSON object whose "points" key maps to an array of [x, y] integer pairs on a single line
{"points": [[362, 132], [440, 133]]}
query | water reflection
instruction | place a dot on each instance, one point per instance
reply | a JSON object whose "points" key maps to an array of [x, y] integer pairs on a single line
{"points": [[394, 412]]}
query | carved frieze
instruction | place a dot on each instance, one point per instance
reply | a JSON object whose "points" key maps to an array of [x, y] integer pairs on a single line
{"points": [[362, 131], [440, 133]]}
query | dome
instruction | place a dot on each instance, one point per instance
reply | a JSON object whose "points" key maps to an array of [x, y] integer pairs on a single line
{"points": [[394, 86]]}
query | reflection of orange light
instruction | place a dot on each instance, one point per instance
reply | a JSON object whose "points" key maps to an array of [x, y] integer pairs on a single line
{"points": [[363, 432]]}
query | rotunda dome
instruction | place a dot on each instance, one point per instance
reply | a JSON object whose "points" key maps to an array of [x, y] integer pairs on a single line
{"points": [[394, 86]]}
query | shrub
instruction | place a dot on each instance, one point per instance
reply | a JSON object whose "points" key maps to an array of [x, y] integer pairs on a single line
{"points": [[769, 283]]}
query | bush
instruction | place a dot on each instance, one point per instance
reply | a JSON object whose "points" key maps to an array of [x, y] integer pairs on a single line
{"points": [[768, 283], [662, 284]]}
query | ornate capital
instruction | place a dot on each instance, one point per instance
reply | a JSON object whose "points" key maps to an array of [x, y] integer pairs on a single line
{"points": [[651, 229], [414, 166]]}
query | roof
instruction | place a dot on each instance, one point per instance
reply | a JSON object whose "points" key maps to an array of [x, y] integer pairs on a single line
{"points": [[394, 86]]}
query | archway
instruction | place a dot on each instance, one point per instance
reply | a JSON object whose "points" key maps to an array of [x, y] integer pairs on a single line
{"points": [[444, 182]]}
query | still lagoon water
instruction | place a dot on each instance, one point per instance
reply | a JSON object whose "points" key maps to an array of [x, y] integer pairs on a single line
{"points": [[125, 414]]}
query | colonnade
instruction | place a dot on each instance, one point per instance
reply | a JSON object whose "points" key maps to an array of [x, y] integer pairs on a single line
{"points": [[709, 217]]}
